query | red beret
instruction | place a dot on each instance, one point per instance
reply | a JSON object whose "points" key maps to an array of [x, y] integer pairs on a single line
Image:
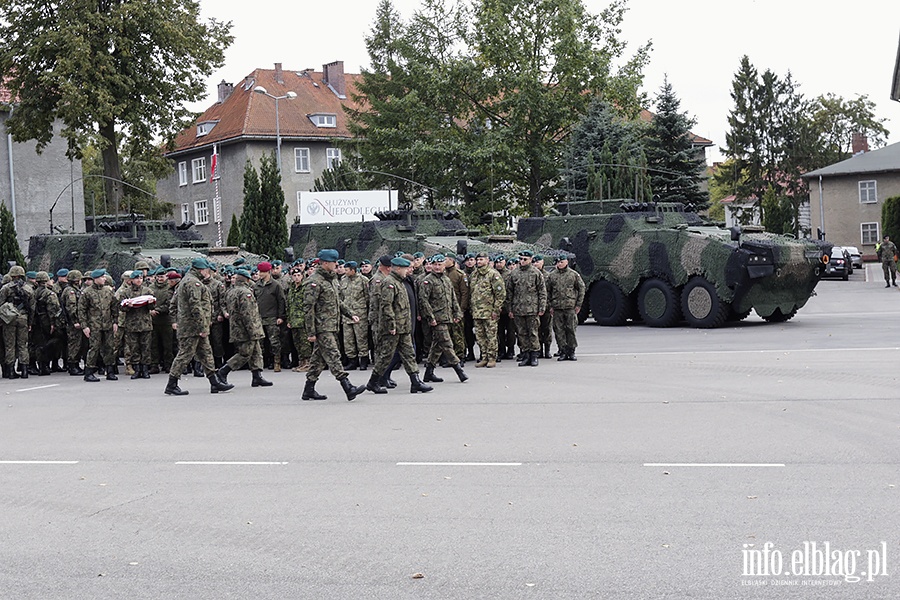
{"points": [[173, 275], [264, 266]]}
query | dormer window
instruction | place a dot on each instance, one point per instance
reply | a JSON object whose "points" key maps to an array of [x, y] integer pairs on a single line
{"points": [[205, 127], [324, 120]]}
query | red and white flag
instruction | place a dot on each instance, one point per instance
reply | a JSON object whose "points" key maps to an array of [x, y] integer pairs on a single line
{"points": [[214, 164]]}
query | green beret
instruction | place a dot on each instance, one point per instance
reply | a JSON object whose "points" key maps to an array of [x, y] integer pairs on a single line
{"points": [[399, 261], [418, 255], [526, 253], [200, 263], [31, 274], [438, 258], [328, 255], [243, 273], [62, 273], [538, 257], [98, 273], [351, 264]]}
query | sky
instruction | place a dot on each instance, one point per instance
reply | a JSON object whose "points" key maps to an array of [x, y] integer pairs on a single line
{"points": [[828, 47]]}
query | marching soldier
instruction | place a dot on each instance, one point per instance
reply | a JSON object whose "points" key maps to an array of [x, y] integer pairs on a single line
{"points": [[565, 290], [439, 308], [98, 314], [245, 331], [487, 292], [528, 297]]}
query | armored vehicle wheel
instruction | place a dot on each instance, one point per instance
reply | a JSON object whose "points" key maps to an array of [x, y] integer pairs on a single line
{"points": [[609, 305], [780, 317], [585, 310], [733, 315], [701, 305], [658, 303]]}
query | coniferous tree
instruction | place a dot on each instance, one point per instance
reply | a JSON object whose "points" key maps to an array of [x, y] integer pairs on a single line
{"points": [[890, 218], [234, 232], [676, 170], [251, 225], [274, 213], [9, 245]]}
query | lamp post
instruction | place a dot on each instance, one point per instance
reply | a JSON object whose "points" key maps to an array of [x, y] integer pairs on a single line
{"points": [[288, 96]]}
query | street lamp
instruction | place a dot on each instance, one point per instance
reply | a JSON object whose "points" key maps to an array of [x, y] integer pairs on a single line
{"points": [[288, 96]]}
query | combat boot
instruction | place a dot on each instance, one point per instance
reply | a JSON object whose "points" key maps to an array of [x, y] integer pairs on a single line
{"points": [[136, 371], [417, 385], [533, 358], [374, 384], [6, 371], [546, 350], [223, 372], [491, 362], [75, 370], [198, 369], [363, 363], [571, 354], [277, 367], [459, 371], [154, 370], [352, 364], [23, 371], [130, 370], [11, 371], [481, 363], [258, 380], [44, 369], [310, 393], [349, 389], [429, 374], [111, 373], [145, 372], [216, 385], [32, 369], [387, 382], [563, 354], [525, 359], [172, 388], [89, 375]]}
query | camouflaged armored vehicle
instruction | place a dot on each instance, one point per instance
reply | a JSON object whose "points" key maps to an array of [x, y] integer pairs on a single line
{"points": [[661, 264], [120, 244], [426, 231]]}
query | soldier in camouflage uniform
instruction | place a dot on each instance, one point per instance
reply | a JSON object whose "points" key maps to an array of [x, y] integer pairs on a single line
{"points": [[460, 284], [15, 331], [76, 343], [220, 313], [354, 291], [245, 330], [528, 297], [323, 307], [46, 315], [887, 251], [162, 338], [270, 297], [506, 327], [565, 291], [98, 314], [137, 324], [545, 325], [394, 329], [487, 295], [439, 308], [193, 310], [296, 319]]}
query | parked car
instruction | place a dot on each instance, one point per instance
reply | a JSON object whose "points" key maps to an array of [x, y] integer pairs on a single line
{"points": [[856, 260], [838, 264]]}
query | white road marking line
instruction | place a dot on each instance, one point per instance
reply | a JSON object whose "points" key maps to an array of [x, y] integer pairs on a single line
{"points": [[40, 387], [458, 464], [723, 352], [714, 464], [38, 462], [229, 462]]}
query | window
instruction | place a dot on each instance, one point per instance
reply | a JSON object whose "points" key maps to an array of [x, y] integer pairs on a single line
{"points": [[199, 167], [206, 127], [182, 173], [332, 157], [201, 212], [869, 233], [324, 120], [185, 212], [301, 160], [867, 192]]}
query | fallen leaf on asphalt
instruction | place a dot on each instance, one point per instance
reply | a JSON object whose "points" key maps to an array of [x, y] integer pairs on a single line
{"points": [[418, 576], [465, 445], [665, 472], [249, 522], [424, 494], [446, 477], [665, 545], [574, 444], [752, 497]]}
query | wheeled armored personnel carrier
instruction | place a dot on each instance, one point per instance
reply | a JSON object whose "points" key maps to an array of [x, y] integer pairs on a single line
{"points": [[660, 263], [426, 231]]}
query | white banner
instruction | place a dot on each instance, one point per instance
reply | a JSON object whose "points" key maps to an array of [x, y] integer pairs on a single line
{"points": [[339, 207]]}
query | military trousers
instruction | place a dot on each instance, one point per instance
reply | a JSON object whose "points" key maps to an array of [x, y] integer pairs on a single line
{"points": [[301, 344], [76, 345], [101, 348], [137, 347], [325, 354], [546, 329], [527, 332], [565, 321], [442, 345], [15, 340], [217, 338], [458, 335], [162, 342], [273, 340], [356, 342], [890, 271], [246, 353], [486, 337], [506, 334], [188, 348], [401, 343]]}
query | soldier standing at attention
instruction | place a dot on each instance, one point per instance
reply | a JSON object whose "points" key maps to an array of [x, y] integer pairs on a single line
{"points": [[137, 324], [162, 336], [887, 252], [394, 332], [355, 295], [193, 310], [46, 313], [296, 319], [460, 284], [506, 329], [439, 308], [468, 322], [245, 330], [487, 295], [545, 327], [323, 308], [98, 313], [270, 297], [15, 330], [565, 290], [75, 340], [528, 297]]}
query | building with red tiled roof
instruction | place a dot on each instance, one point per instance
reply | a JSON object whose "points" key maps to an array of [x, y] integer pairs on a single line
{"points": [[241, 126]]}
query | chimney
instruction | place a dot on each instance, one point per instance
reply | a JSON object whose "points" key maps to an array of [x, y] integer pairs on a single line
{"points": [[279, 75], [333, 75], [225, 90], [859, 143]]}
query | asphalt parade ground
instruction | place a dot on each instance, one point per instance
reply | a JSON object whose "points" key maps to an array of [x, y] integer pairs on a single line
{"points": [[752, 461]]}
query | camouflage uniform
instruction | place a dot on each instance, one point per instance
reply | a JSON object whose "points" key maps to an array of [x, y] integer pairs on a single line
{"points": [[439, 308], [97, 312], [15, 333], [193, 312], [460, 283], [137, 326], [375, 284], [46, 315], [545, 325], [528, 296], [886, 252], [565, 290], [217, 326], [296, 321], [355, 295], [246, 329], [76, 343], [506, 327], [323, 308], [487, 292], [162, 338], [394, 315]]}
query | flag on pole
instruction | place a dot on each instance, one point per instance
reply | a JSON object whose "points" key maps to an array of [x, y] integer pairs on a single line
{"points": [[215, 163]]}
